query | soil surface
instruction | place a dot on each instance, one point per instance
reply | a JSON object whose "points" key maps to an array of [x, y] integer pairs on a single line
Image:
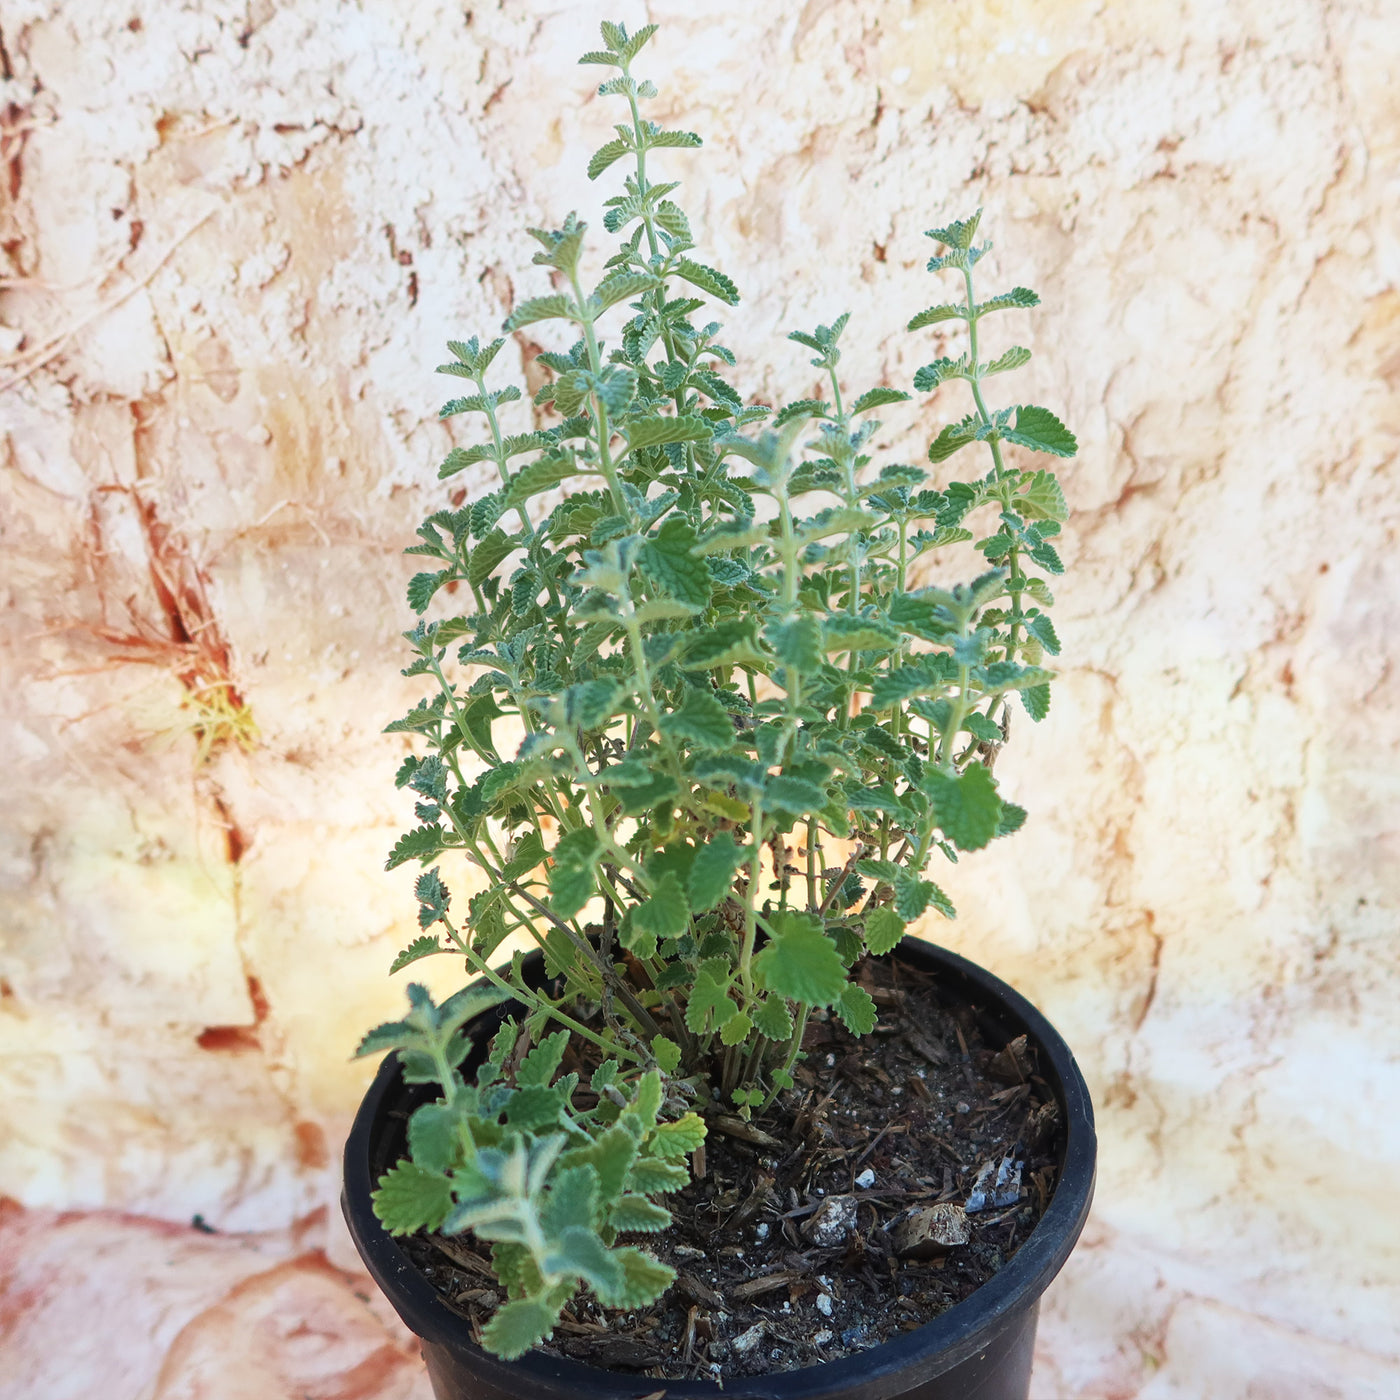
{"points": [[810, 1237]]}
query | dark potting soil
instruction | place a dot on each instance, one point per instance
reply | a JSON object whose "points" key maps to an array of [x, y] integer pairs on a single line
{"points": [[810, 1235]]}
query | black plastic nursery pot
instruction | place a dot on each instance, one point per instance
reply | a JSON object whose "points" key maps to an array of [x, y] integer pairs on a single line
{"points": [[980, 1349]]}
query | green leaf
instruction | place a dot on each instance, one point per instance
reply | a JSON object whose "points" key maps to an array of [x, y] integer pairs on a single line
{"points": [[421, 588], [614, 150], [535, 477], [1041, 498], [957, 234], [611, 1154], [728, 644], [1013, 818], [570, 888], [666, 914], [883, 930], [423, 947], [678, 1139], [798, 643], [1021, 297], [644, 1280], [667, 1053], [637, 1215], [526, 313], [954, 436], [712, 874], [572, 1199], [422, 844], [651, 432], [800, 962], [668, 560], [621, 285], [484, 558], [677, 140], [709, 997], [1039, 429], [735, 1031], [842, 632], [1014, 358], [966, 807], [579, 1253], [708, 279], [533, 1108], [1043, 630], [799, 796], [540, 1065], [912, 896], [856, 1009], [590, 703], [773, 1019], [433, 1139], [518, 1326], [654, 1176], [936, 314], [701, 721], [412, 1198], [877, 398], [1036, 701]]}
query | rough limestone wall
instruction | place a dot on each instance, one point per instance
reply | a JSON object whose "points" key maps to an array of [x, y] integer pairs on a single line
{"points": [[235, 237]]}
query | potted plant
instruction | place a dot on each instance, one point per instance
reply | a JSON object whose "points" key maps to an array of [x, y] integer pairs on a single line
{"points": [[747, 729]]}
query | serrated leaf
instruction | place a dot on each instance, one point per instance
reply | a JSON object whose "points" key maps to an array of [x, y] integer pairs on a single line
{"points": [[678, 1139], [666, 914], [966, 807], [1040, 430], [1021, 297], [712, 873], [883, 930], [912, 896], [798, 643], [654, 1176], [422, 587], [700, 720], [1043, 630], [735, 1031], [423, 947], [578, 1252], [856, 1009], [667, 1053], [496, 547], [800, 962], [951, 438], [572, 1199], [541, 1064], [637, 1215], [773, 1019], [709, 997], [674, 140], [548, 308], [412, 1198], [668, 559], [652, 432], [728, 644], [1014, 358], [1036, 701], [959, 233], [421, 844], [1013, 818], [842, 632], [620, 286], [644, 1280], [570, 888], [532, 479], [798, 796], [936, 314], [708, 279], [433, 1137], [518, 1326], [877, 398], [1041, 498]]}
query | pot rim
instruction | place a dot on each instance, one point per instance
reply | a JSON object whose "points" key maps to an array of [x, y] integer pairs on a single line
{"points": [[939, 1345]]}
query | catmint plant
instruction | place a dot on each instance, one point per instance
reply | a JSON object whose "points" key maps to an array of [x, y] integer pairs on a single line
{"points": [[746, 730]]}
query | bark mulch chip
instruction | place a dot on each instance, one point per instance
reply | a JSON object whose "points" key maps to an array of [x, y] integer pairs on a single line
{"points": [[810, 1237]]}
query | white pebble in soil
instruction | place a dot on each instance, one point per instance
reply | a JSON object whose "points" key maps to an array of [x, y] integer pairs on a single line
{"points": [[866, 1179], [761, 1231], [821, 1338], [824, 1304]]}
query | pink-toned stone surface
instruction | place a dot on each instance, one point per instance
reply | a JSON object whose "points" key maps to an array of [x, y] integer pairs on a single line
{"points": [[231, 237]]}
